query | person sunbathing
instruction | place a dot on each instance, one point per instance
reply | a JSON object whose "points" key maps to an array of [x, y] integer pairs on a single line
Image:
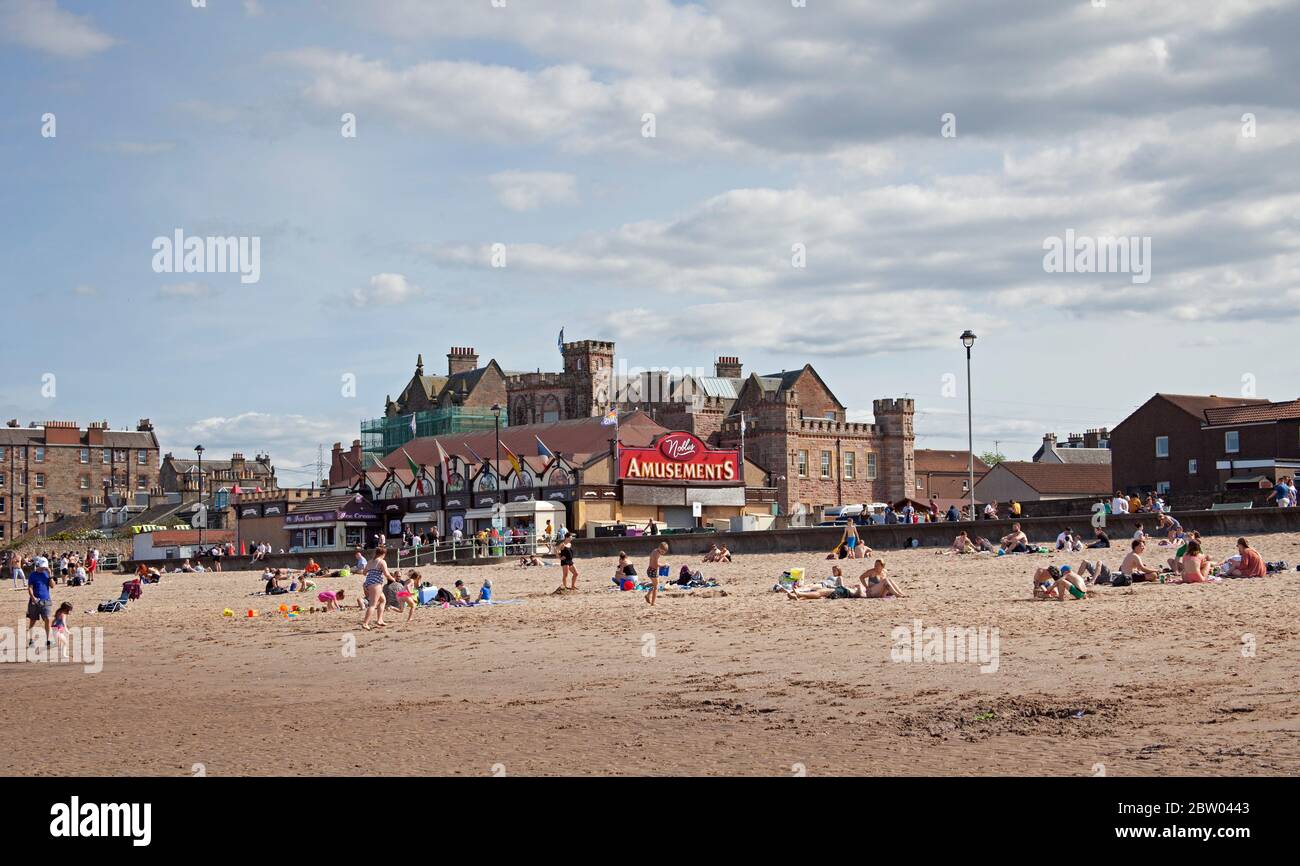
{"points": [[529, 561], [1015, 541], [1196, 566], [724, 555], [872, 583], [1247, 562], [962, 543], [1134, 568], [714, 554], [625, 570]]}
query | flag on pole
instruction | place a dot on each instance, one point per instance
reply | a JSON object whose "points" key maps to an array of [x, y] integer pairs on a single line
{"points": [[610, 419], [412, 465], [559, 342], [412, 425], [510, 455], [236, 490], [542, 450], [445, 471]]}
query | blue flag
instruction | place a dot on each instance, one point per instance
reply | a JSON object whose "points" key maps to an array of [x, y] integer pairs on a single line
{"points": [[542, 450], [559, 342]]}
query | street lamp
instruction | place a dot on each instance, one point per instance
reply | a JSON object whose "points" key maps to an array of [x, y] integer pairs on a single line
{"points": [[198, 449], [968, 340], [496, 467]]}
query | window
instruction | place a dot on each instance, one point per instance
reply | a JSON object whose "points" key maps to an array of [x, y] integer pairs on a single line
{"points": [[1191, 467], [2, 453], [2, 532], [40, 454], [1232, 442], [803, 464], [142, 482], [1162, 446], [40, 505], [850, 459], [84, 482], [85, 505], [108, 456], [1162, 487], [120, 456], [2, 479], [2, 505], [84, 457], [826, 464], [920, 485], [142, 458], [871, 466], [830, 416], [40, 479], [354, 536]]}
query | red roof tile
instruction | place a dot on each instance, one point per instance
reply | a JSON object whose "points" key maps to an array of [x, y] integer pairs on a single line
{"points": [[1085, 478], [1253, 412]]}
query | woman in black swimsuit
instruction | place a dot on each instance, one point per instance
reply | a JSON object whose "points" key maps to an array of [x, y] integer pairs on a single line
{"points": [[567, 567]]}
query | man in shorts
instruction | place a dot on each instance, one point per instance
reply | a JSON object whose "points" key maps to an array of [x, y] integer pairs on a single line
{"points": [[40, 606]]}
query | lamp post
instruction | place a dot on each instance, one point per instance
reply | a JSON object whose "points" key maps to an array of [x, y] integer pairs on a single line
{"points": [[198, 449], [496, 467], [968, 340]]}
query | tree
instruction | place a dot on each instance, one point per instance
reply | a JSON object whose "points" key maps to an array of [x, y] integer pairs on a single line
{"points": [[992, 458]]}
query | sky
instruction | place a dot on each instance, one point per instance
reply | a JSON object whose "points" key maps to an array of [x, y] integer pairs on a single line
{"points": [[851, 184]]}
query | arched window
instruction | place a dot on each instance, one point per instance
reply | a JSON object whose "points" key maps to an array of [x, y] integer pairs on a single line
{"points": [[523, 412], [487, 481], [559, 478], [392, 490], [550, 409], [455, 483], [423, 487], [525, 479]]}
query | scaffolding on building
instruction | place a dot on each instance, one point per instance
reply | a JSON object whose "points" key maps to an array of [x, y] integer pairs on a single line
{"points": [[382, 436]]}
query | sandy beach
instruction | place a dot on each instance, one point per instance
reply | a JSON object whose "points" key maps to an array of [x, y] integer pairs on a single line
{"points": [[1169, 679]]}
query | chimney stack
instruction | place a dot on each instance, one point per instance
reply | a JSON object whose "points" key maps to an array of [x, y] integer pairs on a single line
{"points": [[728, 367], [461, 360]]}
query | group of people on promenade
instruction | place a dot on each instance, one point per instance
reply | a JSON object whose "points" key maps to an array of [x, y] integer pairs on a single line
{"points": [[71, 568]]}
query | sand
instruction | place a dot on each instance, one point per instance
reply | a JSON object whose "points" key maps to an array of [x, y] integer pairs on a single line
{"points": [[597, 683]]}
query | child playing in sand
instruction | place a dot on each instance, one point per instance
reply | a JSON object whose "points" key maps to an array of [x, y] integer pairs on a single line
{"points": [[461, 593], [331, 599], [485, 591], [60, 627]]}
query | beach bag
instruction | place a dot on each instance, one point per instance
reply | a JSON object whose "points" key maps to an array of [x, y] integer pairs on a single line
{"points": [[1118, 579]]}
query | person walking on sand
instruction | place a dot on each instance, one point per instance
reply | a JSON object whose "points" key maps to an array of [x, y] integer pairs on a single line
{"points": [[40, 605], [567, 568], [655, 570], [377, 574]]}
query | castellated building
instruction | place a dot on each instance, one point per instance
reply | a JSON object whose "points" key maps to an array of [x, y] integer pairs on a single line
{"points": [[795, 427]]}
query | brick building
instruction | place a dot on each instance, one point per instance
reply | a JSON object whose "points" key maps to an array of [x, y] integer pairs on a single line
{"points": [[1247, 445], [944, 475], [582, 389], [59, 469], [1162, 447], [181, 475], [796, 429]]}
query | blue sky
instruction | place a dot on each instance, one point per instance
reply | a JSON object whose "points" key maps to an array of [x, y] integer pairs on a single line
{"points": [[523, 125]]}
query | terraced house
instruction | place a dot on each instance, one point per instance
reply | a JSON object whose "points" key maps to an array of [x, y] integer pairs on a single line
{"points": [[56, 469]]}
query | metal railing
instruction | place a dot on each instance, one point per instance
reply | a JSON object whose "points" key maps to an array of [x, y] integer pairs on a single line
{"points": [[449, 550]]}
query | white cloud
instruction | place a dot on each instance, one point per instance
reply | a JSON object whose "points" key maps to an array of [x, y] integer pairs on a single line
{"points": [[529, 190], [253, 8], [386, 290], [190, 290], [290, 439], [42, 25], [140, 148], [85, 290]]}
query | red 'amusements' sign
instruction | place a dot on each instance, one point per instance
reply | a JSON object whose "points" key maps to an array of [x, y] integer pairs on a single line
{"points": [[678, 456]]}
